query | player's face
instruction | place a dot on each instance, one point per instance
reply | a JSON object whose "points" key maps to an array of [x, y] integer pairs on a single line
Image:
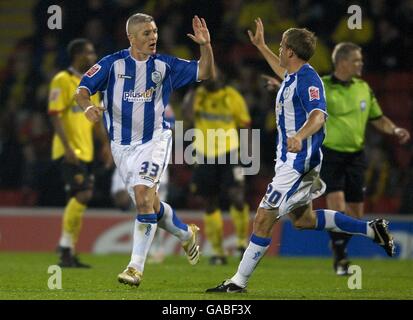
{"points": [[144, 38], [354, 63], [283, 52]]}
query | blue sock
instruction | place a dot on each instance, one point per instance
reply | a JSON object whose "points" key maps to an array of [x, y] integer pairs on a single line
{"points": [[339, 222]]}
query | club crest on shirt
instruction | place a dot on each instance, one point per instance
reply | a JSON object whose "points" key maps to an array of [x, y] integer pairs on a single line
{"points": [[313, 93], [93, 70], [363, 105], [156, 76]]}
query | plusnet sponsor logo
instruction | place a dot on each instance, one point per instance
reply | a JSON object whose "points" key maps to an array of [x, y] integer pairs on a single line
{"points": [[133, 96]]}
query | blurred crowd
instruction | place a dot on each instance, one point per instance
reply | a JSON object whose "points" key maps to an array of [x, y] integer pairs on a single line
{"points": [[25, 130]]}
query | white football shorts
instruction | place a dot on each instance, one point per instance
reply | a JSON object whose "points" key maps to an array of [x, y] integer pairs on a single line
{"points": [[117, 183], [290, 189], [143, 164]]}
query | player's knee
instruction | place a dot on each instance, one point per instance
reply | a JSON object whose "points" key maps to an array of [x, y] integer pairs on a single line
{"points": [[299, 225], [261, 224], [144, 201], [144, 204], [304, 223]]}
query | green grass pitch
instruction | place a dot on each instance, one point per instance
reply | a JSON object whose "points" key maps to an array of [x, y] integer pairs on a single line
{"points": [[24, 276]]}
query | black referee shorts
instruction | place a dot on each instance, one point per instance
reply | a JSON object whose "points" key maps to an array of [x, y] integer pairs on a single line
{"points": [[343, 171]]}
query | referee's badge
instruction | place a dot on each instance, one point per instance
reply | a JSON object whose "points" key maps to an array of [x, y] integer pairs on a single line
{"points": [[156, 76], [363, 105]]}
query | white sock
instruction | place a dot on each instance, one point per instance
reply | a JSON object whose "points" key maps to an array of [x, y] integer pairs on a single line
{"points": [[252, 255], [66, 240], [144, 231], [169, 221], [156, 247]]}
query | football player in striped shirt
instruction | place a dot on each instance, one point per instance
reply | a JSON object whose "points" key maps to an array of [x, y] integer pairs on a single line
{"points": [[136, 83], [301, 115]]}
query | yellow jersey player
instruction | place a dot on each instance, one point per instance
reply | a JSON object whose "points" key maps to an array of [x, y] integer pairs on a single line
{"points": [[73, 147], [215, 107]]}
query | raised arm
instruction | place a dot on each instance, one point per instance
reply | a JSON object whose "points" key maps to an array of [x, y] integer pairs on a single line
{"points": [[257, 40], [202, 37]]}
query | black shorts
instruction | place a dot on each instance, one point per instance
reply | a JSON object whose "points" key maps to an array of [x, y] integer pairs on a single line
{"points": [[76, 177], [342, 171], [214, 179]]}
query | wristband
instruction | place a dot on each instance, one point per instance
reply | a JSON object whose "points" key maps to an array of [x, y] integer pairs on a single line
{"points": [[87, 109]]}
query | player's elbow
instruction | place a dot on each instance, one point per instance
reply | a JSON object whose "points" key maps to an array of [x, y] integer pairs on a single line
{"points": [[206, 72], [304, 223], [318, 117], [203, 75]]}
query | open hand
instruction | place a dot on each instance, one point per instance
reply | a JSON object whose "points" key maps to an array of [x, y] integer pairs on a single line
{"points": [[201, 33], [257, 39]]}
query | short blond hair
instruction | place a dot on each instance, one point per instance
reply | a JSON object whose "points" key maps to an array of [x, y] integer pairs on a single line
{"points": [[136, 19]]}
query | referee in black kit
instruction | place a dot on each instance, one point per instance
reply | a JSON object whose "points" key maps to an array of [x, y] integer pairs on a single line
{"points": [[351, 104]]}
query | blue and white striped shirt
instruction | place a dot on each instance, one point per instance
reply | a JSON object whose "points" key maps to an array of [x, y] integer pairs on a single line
{"points": [[137, 92], [300, 94]]}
